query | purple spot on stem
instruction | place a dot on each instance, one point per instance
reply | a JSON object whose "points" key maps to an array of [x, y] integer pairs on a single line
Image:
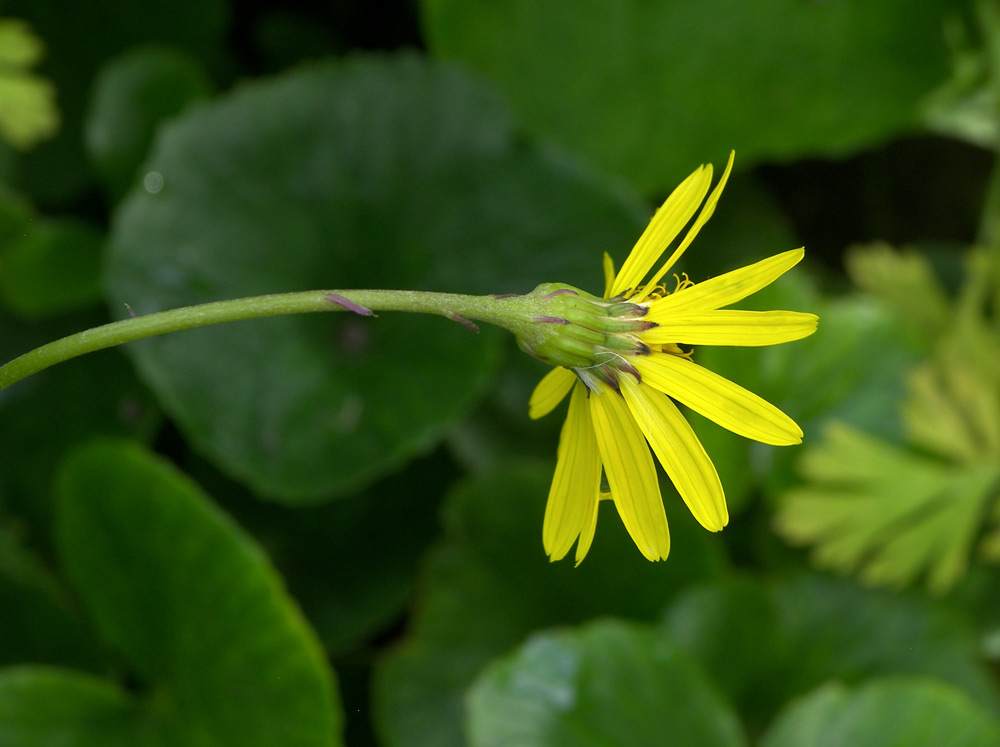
{"points": [[550, 319], [130, 312], [348, 304], [456, 317], [559, 292]]}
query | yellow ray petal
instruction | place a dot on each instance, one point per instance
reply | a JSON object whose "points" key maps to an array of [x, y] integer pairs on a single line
{"points": [[706, 213], [665, 226], [609, 275], [726, 289], [550, 392], [718, 399], [680, 452], [576, 483], [732, 327], [631, 473], [587, 531]]}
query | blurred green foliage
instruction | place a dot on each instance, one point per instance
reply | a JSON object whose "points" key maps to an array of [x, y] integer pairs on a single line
{"points": [[28, 114], [327, 530]]}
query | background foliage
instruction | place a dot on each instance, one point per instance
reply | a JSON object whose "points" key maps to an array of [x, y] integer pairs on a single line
{"points": [[327, 530]]}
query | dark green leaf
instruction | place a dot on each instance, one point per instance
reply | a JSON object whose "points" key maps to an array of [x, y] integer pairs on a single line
{"points": [[350, 564], [648, 90], [43, 707], [894, 712], [378, 173], [489, 585], [192, 603], [609, 683], [132, 95], [16, 214], [52, 268], [767, 643], [39, 623], [79, 37], [43, 416]]}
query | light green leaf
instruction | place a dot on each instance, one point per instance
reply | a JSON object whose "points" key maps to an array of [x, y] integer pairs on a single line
{"points": [[18, 46], [872, 507], [28, 112], [648, 89], [384, 173], [908, 284], [894, 712], [608, 683]]}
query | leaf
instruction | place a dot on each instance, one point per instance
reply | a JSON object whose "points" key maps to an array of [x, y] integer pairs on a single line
{"points": [[892, 712], [351, 564], [16, 215], [907, 283], [765, 643], [79, 38], [191, 603], [28, 112], [43, 416], [383, 172], [132, 95], [52, 268], [488, 585], [39, 624], [889, 514], [46, 707], [608, 683], [647, 89]]}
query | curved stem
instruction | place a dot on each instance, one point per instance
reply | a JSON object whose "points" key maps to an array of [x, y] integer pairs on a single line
{"points": [[504, 311]]}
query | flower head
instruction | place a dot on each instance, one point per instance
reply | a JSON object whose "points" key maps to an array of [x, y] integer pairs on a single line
{"points": [[620, 356]]}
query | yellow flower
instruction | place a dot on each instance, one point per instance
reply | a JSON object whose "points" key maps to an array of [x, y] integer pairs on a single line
{"points": [[620, 357]]}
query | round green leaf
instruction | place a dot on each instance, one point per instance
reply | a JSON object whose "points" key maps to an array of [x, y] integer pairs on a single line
{"points": [[488, 585], [132, 95], [609, 683], [894, 713], [646, 89], [191, 602], [383, 173]]}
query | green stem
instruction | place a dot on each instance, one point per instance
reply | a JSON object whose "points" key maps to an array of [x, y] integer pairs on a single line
{"points": [[512, 313]]}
